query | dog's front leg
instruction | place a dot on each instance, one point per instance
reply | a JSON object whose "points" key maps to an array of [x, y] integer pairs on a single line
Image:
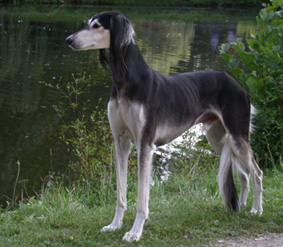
{"points": [[145, 154], [122, 150]]}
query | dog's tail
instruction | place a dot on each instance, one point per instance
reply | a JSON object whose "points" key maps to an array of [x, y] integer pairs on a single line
{"points": [[252, 115], [226, 182]]}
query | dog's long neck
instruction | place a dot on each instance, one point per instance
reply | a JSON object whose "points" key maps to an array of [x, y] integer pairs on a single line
{"points": [[128, 66]]}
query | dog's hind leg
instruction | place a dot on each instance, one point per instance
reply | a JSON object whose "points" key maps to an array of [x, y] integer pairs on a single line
{"points": [[145, 155], [244, 177], [217, 138], [215, 134], [244, 153], [257, 177]]}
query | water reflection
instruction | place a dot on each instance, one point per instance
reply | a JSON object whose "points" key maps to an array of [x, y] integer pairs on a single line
{"points": [[33, 52], [164, 43]]}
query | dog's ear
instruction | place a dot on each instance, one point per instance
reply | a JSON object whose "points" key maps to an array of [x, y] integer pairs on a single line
{"points": [[104, 60], [121, 34]]}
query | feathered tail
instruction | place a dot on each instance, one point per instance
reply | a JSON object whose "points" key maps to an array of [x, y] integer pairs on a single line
{"points": [[226, 182]]}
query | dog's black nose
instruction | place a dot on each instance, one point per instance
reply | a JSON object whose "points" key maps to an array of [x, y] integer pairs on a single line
{"points": [[69, 40]]}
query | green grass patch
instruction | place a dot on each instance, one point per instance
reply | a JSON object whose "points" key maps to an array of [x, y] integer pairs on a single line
{"points": [[183, 211]]}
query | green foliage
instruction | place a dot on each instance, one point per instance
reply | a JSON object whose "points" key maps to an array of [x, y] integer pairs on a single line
{"points": [[87, 133], [258, 66]]}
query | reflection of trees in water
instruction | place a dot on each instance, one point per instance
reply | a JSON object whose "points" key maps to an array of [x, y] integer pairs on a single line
{"points": [[21, 61], [208, 37], [163, 43], [24, 101], [31, 54], [171, 46]]}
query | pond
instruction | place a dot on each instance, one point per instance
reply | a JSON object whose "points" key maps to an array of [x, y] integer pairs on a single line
{"points": [[33, 52]]}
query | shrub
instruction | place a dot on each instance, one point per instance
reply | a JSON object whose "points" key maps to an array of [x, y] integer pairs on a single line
{"points": [[257, 64]]}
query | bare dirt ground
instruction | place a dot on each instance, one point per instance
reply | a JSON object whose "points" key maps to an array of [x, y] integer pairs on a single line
{"points": [[266, 240]]}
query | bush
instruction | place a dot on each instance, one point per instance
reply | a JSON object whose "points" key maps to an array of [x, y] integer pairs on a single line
{"points": [[258, 65]]}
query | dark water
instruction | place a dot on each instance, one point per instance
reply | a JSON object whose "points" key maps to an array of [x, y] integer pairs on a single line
{"points": [[33, 52]]}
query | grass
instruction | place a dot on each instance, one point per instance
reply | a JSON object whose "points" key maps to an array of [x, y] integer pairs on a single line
{"points": [[183, 211]]}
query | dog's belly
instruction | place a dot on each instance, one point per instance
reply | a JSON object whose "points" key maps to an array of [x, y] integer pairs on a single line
{"points": [[167, 133]]}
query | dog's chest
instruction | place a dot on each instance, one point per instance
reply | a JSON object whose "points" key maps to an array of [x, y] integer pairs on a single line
{"points": [[127, 116]]}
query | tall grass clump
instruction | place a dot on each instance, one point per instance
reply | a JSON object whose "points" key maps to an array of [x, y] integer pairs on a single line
{"points": [[257, 63], [87, 134]]}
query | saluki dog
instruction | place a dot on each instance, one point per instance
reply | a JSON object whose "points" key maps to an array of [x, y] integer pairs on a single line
{"points": [[152, 109]]}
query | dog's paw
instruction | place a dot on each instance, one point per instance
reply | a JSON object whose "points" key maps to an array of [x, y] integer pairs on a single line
{"points": [[110, 228], [132, 236], [255, 211]]}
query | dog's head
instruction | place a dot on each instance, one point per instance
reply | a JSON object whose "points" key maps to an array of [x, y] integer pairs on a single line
{"points": [[104, 30]]}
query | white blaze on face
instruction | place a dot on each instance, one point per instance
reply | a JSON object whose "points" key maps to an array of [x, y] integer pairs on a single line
{"points": [[92, 37]]}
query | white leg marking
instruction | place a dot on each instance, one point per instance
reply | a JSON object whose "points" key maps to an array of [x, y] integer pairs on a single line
{"points": [[122, 150], [257, 175], [244, 153], [245, 186], [244, 177], [145, 159]]}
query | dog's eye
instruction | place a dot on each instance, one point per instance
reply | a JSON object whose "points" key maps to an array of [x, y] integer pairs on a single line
{"points": [[96, 26]]}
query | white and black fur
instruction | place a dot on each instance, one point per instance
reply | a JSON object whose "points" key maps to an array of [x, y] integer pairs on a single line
{"points": [[151, 109]]}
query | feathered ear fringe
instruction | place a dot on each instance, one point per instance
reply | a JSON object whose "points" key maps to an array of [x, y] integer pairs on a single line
{"points": [[121, 36], [104, 60]]}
